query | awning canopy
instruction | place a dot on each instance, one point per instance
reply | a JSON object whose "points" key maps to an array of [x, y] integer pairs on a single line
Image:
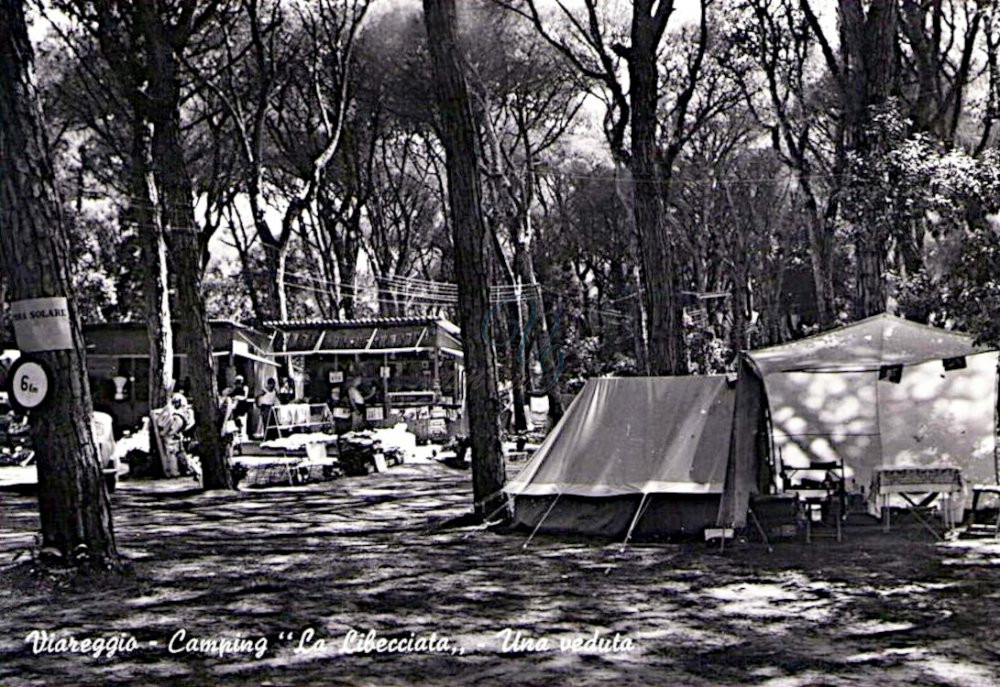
{"points": [[864, 346], [830, 401], [372, 336], [247, 355]]}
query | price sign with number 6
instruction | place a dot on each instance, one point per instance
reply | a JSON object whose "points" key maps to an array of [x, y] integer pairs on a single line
{"points": [[29, 384]]}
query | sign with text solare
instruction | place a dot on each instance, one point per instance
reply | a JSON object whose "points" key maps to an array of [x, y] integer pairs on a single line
{"points": [[42, 324]]}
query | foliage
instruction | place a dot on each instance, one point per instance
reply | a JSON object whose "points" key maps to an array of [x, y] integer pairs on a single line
{"points": [[769, 201]]}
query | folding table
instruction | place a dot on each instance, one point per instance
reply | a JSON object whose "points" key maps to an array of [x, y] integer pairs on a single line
{"points": [[926, 484]]}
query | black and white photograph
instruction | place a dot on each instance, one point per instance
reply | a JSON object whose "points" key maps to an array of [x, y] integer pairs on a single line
{"points": [[500, 342]]}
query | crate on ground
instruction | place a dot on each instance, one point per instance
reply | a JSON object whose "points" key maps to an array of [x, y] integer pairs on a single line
{"points": [[356, 452], [429, 428], [778, 514]]}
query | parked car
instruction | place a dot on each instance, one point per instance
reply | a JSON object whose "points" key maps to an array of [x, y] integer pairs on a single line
{"points": [[104, 437], [18, 464]]}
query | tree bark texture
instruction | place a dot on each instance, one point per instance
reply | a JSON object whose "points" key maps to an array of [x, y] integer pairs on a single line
{"points": [[118, 37], [34, 246], [146, 215], [185, 243], [524, 268], [871, 78], [458, 133], [276, 260], [665, 336]]}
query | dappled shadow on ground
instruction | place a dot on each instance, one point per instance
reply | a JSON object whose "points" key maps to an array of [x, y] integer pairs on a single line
{"points": [[363, 554]]}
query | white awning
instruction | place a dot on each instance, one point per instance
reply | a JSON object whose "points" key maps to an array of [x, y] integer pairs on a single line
{"points": [[358, 351], [248, 355]]}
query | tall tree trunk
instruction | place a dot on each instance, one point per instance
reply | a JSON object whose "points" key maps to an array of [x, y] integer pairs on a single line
{"points": [[155, 291], [144, 211], [740, 305], [821, 264], [458, 134], [275, 261], [518, 375], [347, 266], [34, 251], [344, 240], [524, 268], [870, 292], [186, 247], [515, 364], [869, 53], [665, 344], [639, 332]]}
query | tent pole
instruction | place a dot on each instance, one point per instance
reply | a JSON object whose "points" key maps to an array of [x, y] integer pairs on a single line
{"points": [[638, 514], [996, 426], [534, 531], [760, 530]]}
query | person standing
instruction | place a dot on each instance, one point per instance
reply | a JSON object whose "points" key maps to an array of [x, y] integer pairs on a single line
{"points": [[266, 402], [356, 402], [286, 394], [227, 409], [183, 409], [241, 409], [182, 424]]}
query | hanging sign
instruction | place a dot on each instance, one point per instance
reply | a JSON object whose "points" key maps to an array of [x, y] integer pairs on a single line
{"points": [[954, 363], [41, 324], [28, 384]]}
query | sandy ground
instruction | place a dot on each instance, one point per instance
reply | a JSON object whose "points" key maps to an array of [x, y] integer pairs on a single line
{"points": [[361, 554]]}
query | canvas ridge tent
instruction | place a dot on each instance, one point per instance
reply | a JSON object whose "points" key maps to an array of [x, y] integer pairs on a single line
{"points": [[662, 444]]}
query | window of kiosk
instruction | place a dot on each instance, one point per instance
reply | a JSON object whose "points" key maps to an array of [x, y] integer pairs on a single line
{"points": [[409, 374], [139, 381]]}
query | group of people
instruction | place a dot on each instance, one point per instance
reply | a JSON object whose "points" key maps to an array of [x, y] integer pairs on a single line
{"points": [[236, 403]]}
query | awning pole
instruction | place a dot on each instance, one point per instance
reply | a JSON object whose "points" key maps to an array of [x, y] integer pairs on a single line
{"points": [[638, 514], [319, 341], [551, 506]]}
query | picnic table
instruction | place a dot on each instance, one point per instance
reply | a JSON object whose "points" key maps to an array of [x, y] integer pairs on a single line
{"points": [[316, 466]]}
